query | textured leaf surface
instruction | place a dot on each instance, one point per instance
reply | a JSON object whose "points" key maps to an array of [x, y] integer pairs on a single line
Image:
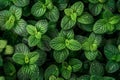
{"points": [[38, 9], [58, 43], [73, 45], [67, 23], [61, 55]]}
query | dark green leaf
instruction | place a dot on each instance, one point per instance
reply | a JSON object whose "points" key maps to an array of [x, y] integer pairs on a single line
{"points": [[21, 3], [51, 70], [112, 66], [20, 28], [16, 11], [61, 55], [28, 72], [96, 68], [21, 48], [66, 71], [110, 51], [67, 23], [53, 14], [9, 69], [95, 9], [76, 64], [38, 9]]}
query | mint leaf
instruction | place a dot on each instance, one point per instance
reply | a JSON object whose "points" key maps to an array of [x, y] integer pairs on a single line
{"points": [[58, 43]]}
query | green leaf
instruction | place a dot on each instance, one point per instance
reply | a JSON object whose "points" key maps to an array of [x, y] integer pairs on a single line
{"points": [[10, 23], [53, 14], [3, 44], [42, 26], [4, 16], [107, 14], [86, 18], [102, 26], [111, 5], [16, 11], [114, 19], [78, 8], [62, 4], [67, 23], [95, 9], [73, 45], [4, 4], [96, 68], [20, 28], [60, 79], [92, 43], [49, 4], [38, 9], [52, 77], [28, 72], [86, 27], [61, 55], [73, 16], [76, 64], [51, 70], [9, 69], [44, 43], [91, 55], [68, 34], [116, 58], [21, 3], [58, 43], [66, 71], [68, 11], [9, 50], [33, 41], [21, 48], [19, 58], [38, 35], [2, 78], [112, 66], [33, 56], [110, 51], [31, 29], [42, 57]]}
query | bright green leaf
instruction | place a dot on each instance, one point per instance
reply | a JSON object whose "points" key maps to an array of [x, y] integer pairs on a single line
{"points": [[73, 45], [58, 43]]}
